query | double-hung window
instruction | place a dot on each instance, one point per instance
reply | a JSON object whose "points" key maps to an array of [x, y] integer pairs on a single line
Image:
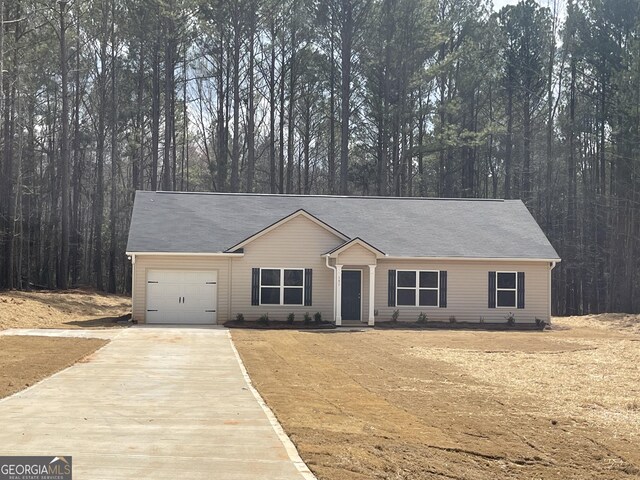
{"points": [[417, 288], [281, 286], [506, 289]]}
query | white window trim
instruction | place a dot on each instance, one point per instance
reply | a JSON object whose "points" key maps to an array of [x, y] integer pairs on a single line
{"points": [[417, 288], [507, 290], [282, 286]]}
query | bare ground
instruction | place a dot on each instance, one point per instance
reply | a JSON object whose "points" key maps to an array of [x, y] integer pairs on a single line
{"points": [[560, 404], [27, 360], [72, 309]]}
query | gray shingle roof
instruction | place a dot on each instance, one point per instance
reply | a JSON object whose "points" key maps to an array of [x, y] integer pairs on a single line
{"points": [[416, 227]]}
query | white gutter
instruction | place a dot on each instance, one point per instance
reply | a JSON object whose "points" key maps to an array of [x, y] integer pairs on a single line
{"points": [[335, 274], [473, 259], [185, 254]]}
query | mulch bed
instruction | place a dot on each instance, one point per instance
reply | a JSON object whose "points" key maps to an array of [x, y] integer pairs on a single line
{"points": [[458, 326], [279, 325]]}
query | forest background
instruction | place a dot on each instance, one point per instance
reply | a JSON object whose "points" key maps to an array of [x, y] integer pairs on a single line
{"points": [[446, 98]]}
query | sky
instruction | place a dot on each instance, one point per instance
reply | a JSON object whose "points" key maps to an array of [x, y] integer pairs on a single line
{"points": [[498, 4]]}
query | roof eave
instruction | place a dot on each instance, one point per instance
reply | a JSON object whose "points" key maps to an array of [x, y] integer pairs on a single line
{"points": [[200, 254]]}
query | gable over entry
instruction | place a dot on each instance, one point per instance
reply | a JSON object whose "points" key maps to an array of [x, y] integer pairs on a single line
{"points": [[346, 260]]}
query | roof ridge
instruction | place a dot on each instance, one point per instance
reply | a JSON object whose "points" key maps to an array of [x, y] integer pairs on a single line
{"points": [[296, 195]]}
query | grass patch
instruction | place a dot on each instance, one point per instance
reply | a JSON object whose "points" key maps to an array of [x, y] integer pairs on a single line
{"points": [[25, 360], [419, 405]]}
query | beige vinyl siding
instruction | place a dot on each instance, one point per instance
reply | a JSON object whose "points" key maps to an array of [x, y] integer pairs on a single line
{"points": [[467, 291], [300, 242], [356, 255], [180, 262], [297, 243]]}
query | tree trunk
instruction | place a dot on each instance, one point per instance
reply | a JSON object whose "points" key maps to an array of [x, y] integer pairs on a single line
{"points": [[526, 157], [113, 208], [77, 167], [63, 279], [251, 114], [508, 143], [291, 109], [331, 154], [235, 149], [345, 93], [281, 125], [155, 108], [98, 205], [272, 111], [221, 121], [137, 159], [169, 83]]}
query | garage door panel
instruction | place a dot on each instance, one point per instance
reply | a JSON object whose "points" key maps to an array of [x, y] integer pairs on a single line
{"points": [[200, 302], [188, 297], [199, 278], [163, 304]]}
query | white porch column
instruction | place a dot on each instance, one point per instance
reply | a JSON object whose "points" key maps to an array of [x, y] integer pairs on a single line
{"points": [[372, 293], [338, 294]]}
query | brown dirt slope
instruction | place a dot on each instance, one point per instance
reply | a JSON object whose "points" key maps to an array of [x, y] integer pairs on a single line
{"points": [[72, 309], [560, 404], [27, 360]]}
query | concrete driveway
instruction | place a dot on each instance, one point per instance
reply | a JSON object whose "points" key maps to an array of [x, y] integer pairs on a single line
{"points": [[159, 403]]}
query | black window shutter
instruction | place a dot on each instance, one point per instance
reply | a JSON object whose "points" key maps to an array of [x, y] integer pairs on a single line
{"points": [[443, 289], [520, 289], [492, 289], [255, 286], [308, 283], [392, 288]]}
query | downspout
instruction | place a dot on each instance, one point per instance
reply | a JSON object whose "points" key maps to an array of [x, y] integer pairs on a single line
{"points": [[553, 265], [335, 274], [133, 281]]}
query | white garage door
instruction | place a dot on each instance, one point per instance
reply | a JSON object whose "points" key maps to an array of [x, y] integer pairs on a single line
{"points": [[179, 296]]}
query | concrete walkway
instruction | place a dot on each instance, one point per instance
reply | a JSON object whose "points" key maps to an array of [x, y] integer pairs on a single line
{"points": [[157, 403]]}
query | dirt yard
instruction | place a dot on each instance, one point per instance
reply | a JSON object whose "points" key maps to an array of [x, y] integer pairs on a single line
{"points": [[27, 360], [73, 309], [561, 404]]}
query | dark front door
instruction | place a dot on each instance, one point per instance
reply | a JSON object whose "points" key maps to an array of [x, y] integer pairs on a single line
{"points": [[351, 286]]}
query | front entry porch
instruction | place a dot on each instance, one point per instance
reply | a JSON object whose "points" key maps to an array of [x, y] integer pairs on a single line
{"points": [[354, 266]]}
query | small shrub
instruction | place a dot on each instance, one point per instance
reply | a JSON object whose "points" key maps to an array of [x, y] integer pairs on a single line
{"points": [[317, 317], [239, 318], [307, 318], [290, 318], [395, 315], [422, 318], [511, 319], [452, 319], [264, 319], [540, 323]]}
